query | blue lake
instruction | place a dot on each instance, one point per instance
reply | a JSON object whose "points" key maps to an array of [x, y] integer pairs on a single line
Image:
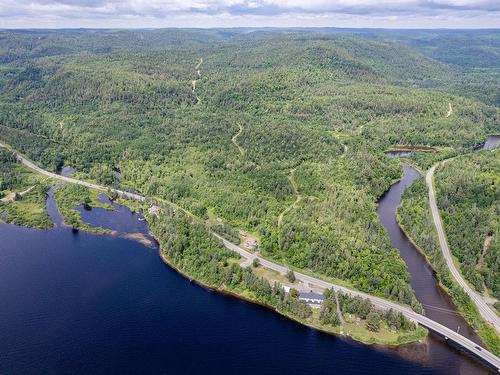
{"points": [[76, 303]]}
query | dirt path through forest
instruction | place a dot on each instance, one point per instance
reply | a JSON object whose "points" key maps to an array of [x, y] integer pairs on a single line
{"points": [[450, 110], [235, 142], [193, 82], [297, 199]]}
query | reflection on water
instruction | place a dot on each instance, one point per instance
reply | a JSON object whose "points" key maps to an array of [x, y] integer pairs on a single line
{"points": [[66, 171], [119, 218], [50, 204]]}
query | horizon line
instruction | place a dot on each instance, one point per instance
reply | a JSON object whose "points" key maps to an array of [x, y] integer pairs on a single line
{"points": [[250, 28]]}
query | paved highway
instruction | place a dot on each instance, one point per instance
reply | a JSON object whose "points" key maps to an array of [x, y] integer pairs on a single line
{"points": [[486, 312], [36, 168], [449, 334], [379, 302]]}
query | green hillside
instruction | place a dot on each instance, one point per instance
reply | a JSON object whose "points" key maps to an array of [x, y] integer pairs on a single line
{"points": [[281, 134]]}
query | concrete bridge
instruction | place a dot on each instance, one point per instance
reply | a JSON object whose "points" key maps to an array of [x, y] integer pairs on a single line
{"points": [[430, 324], [463, 342]]}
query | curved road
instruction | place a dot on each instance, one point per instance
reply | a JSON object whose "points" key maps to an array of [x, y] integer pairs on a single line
{"points": [[470, 346], [486, 312], [70, 180], [235, 142]]}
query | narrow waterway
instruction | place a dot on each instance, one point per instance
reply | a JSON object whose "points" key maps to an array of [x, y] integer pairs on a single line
{"points": [[437, 304], [55, 218], [77, 303]]}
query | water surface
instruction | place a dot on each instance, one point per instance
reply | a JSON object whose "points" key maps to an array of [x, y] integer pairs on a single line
{"points": [[398, 154], [76, 303], [492, 142], [437, 304], [120, 219]]}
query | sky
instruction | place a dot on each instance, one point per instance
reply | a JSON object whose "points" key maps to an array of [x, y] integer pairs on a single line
{"points": [[249, 13]]}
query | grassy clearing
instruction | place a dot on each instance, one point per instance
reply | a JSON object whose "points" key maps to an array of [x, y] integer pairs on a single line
{"points": [[272, 275], [30, 210], [28, 207], [359, 332]]}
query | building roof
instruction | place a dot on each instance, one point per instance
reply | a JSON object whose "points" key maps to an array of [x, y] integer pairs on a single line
{"points": [[311, 295]]}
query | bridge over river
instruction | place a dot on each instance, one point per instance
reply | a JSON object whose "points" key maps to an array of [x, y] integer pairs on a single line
{"points": [[424, 321]]}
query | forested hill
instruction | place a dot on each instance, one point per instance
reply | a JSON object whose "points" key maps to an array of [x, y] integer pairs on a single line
{"points": [[282, 134], [466, 62]]}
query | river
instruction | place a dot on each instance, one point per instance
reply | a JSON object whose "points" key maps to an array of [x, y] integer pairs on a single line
{"points": [[437, 304], [78, 303]]}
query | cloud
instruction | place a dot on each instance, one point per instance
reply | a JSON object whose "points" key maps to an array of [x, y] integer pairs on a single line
{"points": [[130, 13]]}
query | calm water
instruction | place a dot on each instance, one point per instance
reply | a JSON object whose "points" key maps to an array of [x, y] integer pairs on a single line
{"points": [[492, 142], [437, 304], [120, 219], [398, 154], [76, 303]]}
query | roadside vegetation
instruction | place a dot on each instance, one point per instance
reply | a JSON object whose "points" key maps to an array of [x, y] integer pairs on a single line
{"points": [[364, 322], [415, 218], [326, 106], [192, 250], [22, 194], [468, 196]]}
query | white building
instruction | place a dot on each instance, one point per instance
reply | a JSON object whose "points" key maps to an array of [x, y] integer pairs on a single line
{"points": [[313, 299]]}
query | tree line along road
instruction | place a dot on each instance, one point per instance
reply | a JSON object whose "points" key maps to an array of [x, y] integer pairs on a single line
{"points": [[488, 357], [484, 309]]}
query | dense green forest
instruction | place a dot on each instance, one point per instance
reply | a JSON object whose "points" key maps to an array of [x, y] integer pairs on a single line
{"points": [[415, 218], [468, 191], [314, 114], [9, 174], [190, 247]]}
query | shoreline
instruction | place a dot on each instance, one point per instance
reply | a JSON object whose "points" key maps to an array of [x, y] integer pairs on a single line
{"points": [[440, 285], [369, 340], [234, 294], [426, 257], [435, 274]]}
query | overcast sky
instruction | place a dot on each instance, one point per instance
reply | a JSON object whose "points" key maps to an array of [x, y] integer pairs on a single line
{"points": [[250, 13]]}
